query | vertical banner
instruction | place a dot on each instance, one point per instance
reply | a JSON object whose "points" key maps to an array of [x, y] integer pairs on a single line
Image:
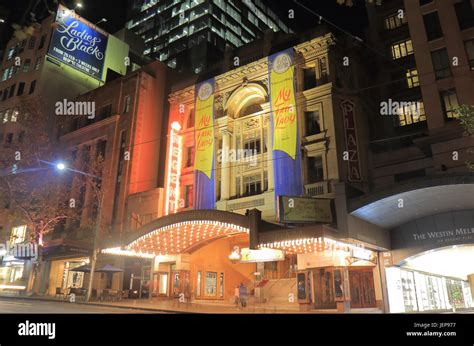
{"points": [[204, 146], [284, 122]]}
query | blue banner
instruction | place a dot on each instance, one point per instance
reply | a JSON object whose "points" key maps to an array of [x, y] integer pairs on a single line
{"points": [[284, 125], [204, 144], [78, 43]]}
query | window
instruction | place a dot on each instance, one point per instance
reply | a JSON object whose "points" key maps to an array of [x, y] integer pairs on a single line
{"points": [[464, 13], [469, 45], [394, 21], [198, 284], [402, 49], [210, 284], [188, 195], [411, 112], [252, 184], [312, 123], [6, 115], [127, 102], [32, 87], [32, 43], [14, 118], [105, 112], [18, 234], [5, 94], [412, 78], [42, 41], [449, 100], [252, 146], [190, 122], [9, 138], [26, 65], [315, 169], [37, 63], [441, 63], [189, 156], [221, 285], [309, 78], [21, 88], [12, 91], [432, 26], [21, 136]]}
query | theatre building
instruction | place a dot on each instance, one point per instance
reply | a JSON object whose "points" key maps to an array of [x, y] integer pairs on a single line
{"points": [[260, 160]]}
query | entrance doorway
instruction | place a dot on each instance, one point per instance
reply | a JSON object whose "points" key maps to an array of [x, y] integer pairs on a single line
{"points": [[362, 288]]}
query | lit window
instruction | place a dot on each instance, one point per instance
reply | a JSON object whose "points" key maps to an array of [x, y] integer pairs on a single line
{"points": [[128, 100], [402, 49], [26, 65], [411, 112], [394, 21], [14, 118], [450, 103], [412, 78], [18, 234], [252, 184]]}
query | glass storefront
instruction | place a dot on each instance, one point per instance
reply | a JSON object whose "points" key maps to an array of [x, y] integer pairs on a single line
{"points": [[412, 291]]}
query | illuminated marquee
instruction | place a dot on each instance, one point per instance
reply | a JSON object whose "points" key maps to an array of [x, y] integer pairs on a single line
{"points": [[174, 169], [78, 43]]}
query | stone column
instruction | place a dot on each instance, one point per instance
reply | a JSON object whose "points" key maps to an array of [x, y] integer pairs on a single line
{"points": [[271, 183], [225, 166]]}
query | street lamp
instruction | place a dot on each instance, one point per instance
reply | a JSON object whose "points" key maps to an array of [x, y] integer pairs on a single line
{"points": [[61, 166], [103, 20]]}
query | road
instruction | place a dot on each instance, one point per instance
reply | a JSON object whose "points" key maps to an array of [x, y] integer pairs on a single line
{"points": [[30, 306]]}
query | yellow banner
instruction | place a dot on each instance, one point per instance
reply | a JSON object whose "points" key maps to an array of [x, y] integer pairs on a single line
{"points": [[283, 105], [204, 129]]}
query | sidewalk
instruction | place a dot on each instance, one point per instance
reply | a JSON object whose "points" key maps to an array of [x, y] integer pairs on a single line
{"points": [[202, 307]]}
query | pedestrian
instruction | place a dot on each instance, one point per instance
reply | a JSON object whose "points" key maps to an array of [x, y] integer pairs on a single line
{"points": [[236, 296], [243, 295]]}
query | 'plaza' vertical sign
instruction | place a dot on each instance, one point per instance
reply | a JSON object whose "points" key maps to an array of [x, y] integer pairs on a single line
{"points": [[174, 169], [348, 115], [78, 43]]}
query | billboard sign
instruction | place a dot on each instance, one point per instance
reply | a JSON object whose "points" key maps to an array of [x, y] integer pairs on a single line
{"points": [[78, 43], [305, 210]]}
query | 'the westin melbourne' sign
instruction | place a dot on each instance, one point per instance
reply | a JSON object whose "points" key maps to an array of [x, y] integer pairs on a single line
{"points": [[78, 43]]}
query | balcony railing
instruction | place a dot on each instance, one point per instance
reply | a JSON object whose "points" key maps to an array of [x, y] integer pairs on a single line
{"points": [[317, 189]]}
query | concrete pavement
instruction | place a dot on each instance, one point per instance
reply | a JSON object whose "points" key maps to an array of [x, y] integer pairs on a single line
{"points": [[35, 306]]}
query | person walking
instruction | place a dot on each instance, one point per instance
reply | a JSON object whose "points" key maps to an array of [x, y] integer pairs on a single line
{"points": [[243, 295], [237, 296]]}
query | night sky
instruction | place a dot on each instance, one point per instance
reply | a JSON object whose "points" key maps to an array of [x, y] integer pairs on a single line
{"points": [[17, 11], [93, 10]]}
